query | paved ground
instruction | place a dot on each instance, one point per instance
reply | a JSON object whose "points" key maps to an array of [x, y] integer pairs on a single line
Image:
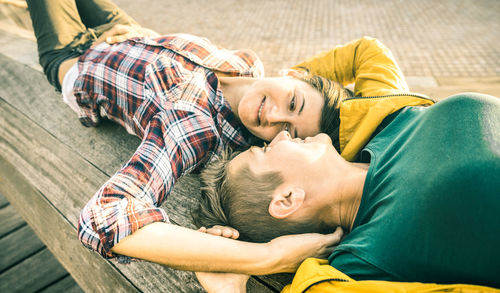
{"points": [[443, 47], [428, 37]]}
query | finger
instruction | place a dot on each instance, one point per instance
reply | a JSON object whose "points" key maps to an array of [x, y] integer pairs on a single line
{"points": [[335, 237], [117, 39], [202, 229], [99, 40], [236, 234], [326, 252], [119, 29], [228, 232], [214, 231]]}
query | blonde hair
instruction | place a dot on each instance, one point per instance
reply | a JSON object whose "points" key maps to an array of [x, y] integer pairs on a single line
{"points": [[241, 200]]}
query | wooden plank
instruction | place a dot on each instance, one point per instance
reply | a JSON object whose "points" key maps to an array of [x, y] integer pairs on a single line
{"points": [[10, 220], [3, 201], [68, 154], [276, 281], [18, 245], [93, 272], [32, 274], [66, 285]]}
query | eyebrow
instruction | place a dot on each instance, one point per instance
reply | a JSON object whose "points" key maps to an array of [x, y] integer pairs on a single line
{"points": [[303, 103]]}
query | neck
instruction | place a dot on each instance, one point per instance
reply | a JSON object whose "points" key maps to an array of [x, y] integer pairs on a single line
{"points": [[345, 196], [234, 89]]}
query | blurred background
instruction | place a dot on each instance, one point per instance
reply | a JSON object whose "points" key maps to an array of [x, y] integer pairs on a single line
{"points": [[443, 47]]}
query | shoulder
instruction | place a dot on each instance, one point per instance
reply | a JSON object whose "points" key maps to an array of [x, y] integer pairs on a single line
{"points": [[357, 267], [468, 101]]}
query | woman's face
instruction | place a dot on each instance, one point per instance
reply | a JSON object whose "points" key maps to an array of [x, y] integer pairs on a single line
{"points": [[275, 104]]}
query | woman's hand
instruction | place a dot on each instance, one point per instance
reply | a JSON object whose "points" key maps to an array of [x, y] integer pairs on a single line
{"points": [[291, 250], [224, 231], [120, 33], [223, 282]]}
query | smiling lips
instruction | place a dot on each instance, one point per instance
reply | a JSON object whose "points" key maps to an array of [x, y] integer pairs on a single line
{"points": [[259, 113]]}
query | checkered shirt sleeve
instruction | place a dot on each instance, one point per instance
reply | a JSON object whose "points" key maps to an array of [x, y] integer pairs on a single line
{"points": [[175, 142]]}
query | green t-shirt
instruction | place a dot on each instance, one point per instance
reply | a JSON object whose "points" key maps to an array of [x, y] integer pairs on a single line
{"points": [[430, 210]]}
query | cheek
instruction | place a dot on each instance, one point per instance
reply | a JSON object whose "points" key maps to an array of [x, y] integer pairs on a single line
{"points": [[244, 109]]}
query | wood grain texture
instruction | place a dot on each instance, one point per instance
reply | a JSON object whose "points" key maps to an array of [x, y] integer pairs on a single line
{"points": [[32, 274], [93, 273], [60, 164], [3, 201], [66, 285], [18, 245], [10, 220]]}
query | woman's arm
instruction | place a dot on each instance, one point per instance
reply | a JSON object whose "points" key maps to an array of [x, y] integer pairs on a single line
{"points": [[186, 249], [365, 62]]}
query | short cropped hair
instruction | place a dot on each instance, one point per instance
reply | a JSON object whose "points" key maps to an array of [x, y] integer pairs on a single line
{"points": [[241, 200], [333, 93]]}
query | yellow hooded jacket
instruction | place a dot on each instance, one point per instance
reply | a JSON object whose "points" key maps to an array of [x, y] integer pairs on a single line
{"points": [[379, 88], [316, 275]]}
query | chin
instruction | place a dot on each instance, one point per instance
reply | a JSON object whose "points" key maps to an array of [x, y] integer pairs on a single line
{"points": [[256, 134]]}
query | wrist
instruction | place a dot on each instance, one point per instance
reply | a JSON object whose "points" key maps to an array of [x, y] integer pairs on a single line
{"points": [[273, 260]]}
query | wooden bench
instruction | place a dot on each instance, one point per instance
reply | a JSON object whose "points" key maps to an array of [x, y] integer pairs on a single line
{"points": [[26, 265], [50, 166]]}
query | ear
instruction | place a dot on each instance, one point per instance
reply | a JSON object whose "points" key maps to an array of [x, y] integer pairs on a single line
{"points": [[286, 201]]}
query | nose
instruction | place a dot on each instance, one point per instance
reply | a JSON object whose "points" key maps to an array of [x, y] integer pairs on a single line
{"points": [[282, 135], [320, 137]]}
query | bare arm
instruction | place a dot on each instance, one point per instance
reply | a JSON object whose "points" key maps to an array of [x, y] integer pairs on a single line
{"points": [[186, 249]]}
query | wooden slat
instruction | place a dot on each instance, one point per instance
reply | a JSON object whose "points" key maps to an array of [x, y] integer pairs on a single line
{"points": [[18, 245], [276, 281], [56, 153], [59, 235], [3, 201], [10, 220], [32, 274], [66, 285]]}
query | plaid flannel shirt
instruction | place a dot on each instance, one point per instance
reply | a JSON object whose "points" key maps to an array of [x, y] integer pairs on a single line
{"points": [[164, 91]]}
